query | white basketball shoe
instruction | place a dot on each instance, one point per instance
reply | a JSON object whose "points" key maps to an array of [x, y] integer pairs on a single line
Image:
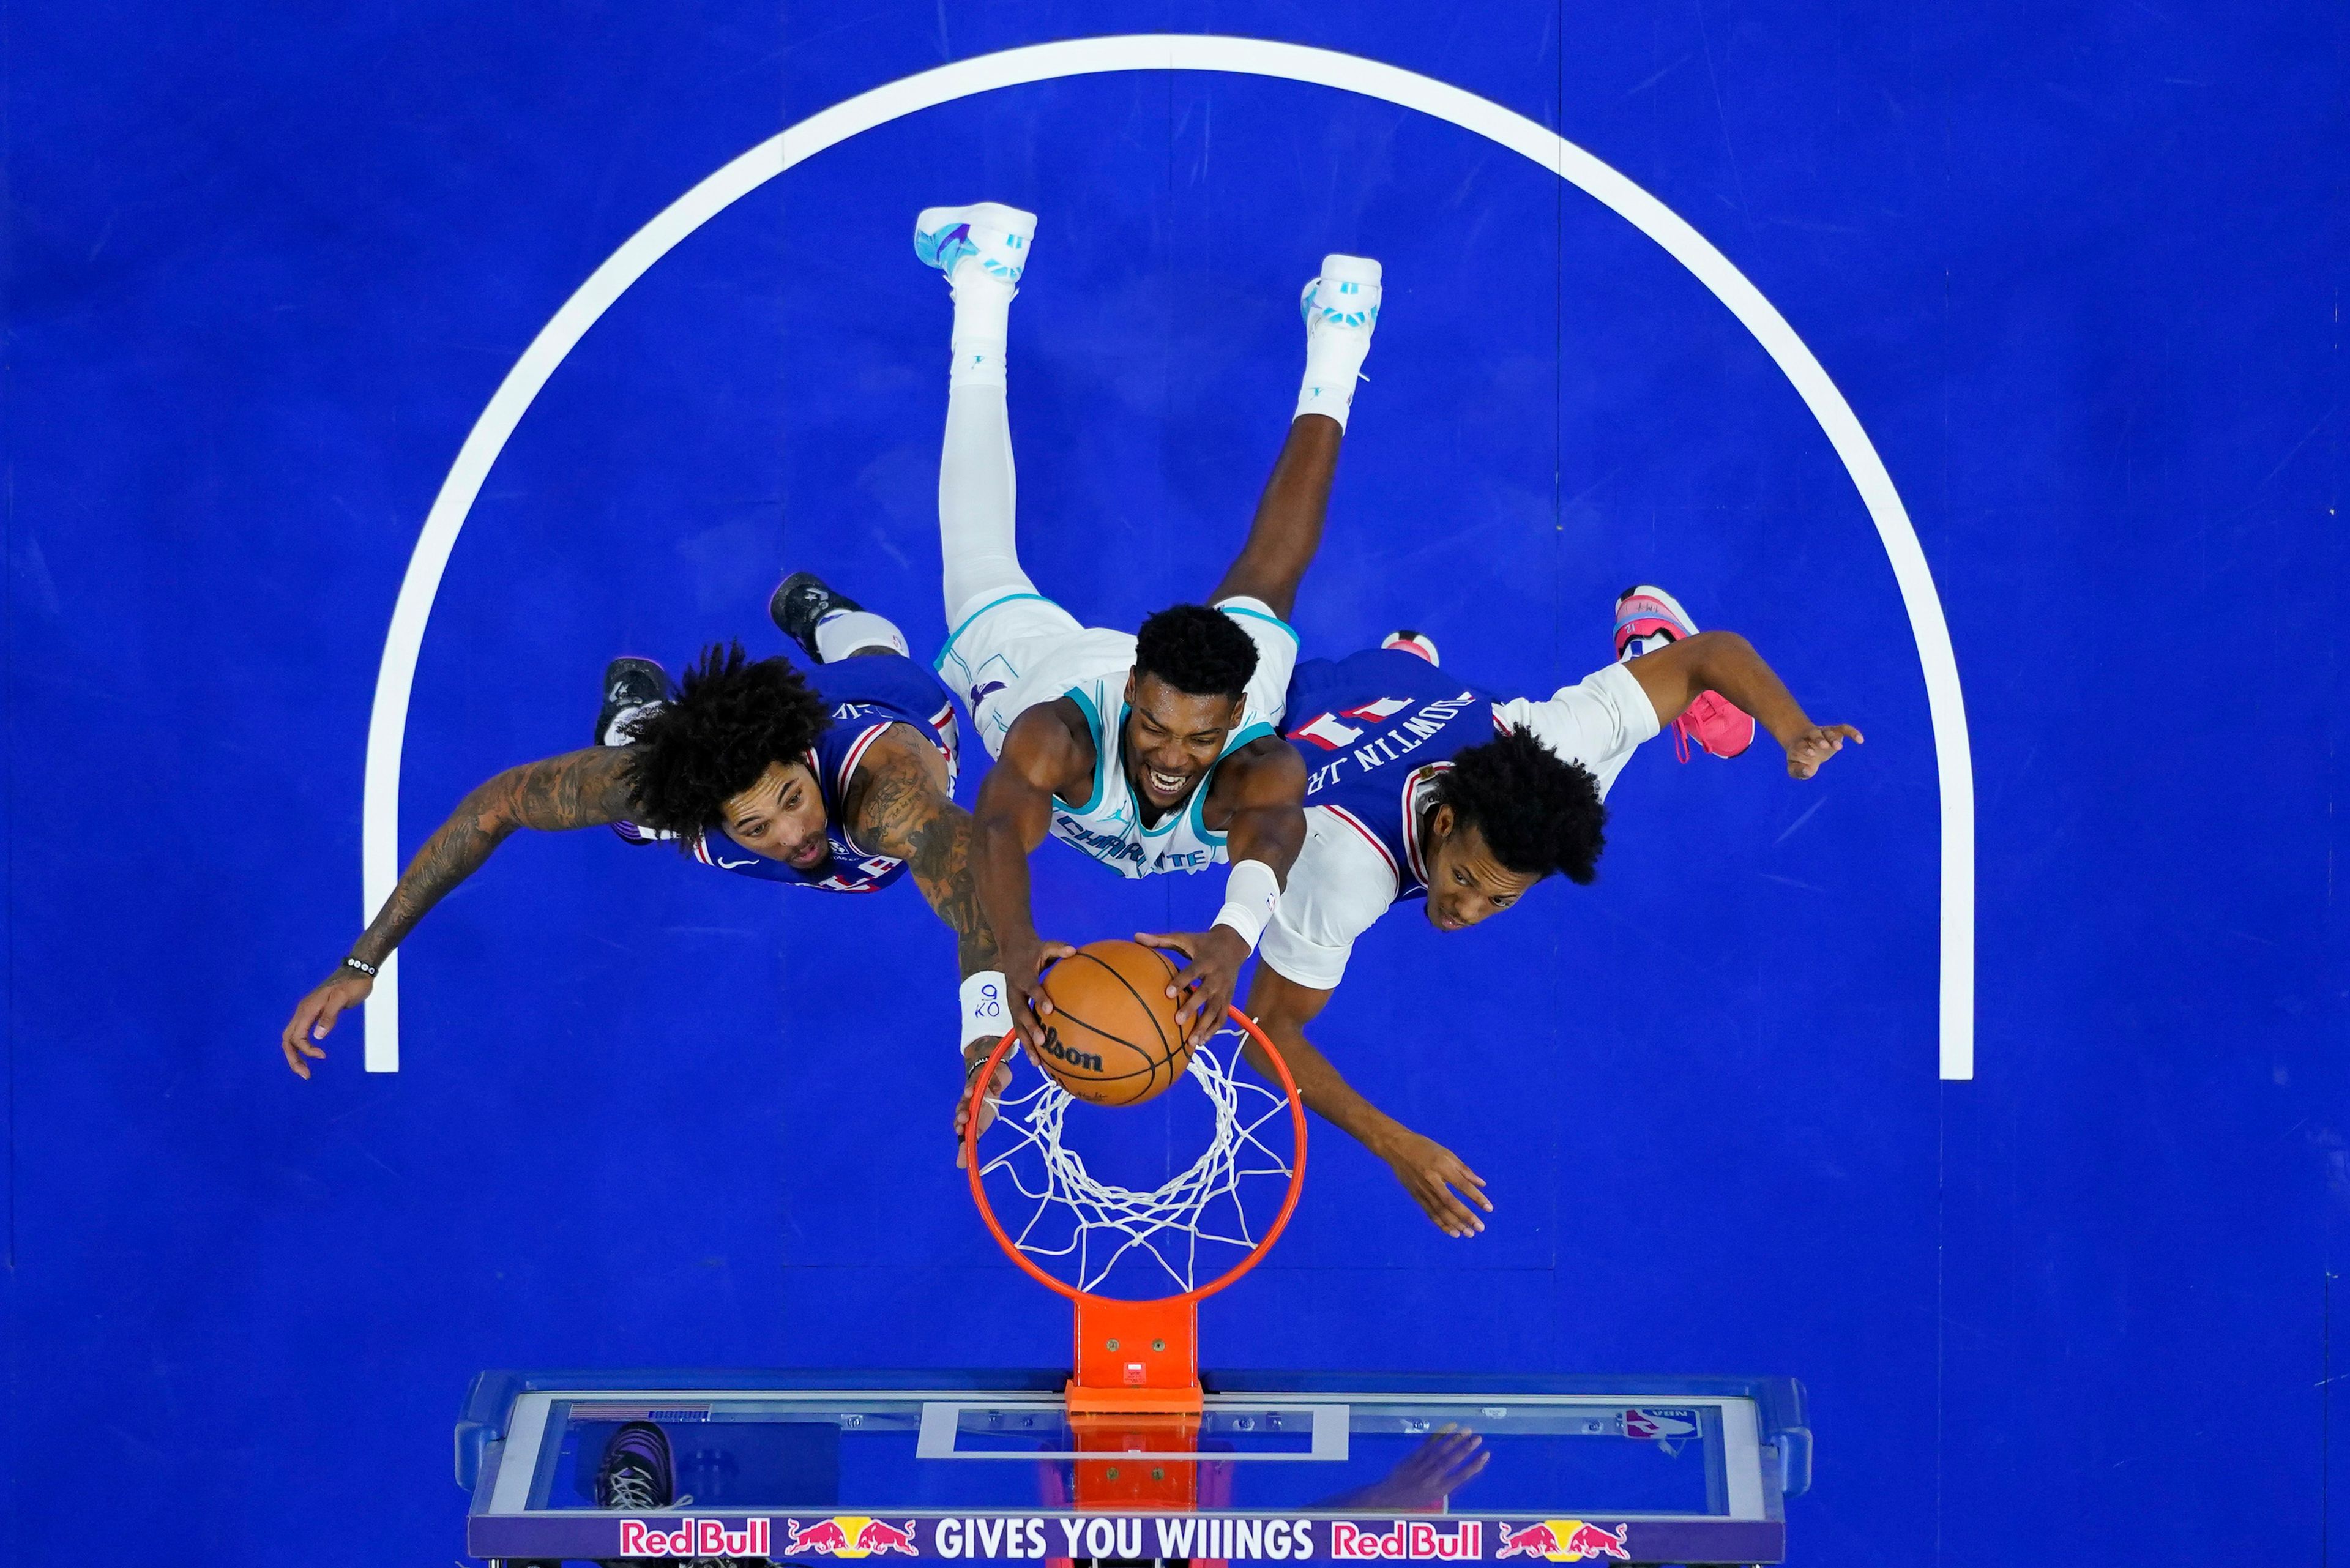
{"points": [[1342, 310], [994, 237]]}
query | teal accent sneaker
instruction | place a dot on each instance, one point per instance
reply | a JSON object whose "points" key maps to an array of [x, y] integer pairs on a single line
{"points": [[996, 234], [1345, 294]]}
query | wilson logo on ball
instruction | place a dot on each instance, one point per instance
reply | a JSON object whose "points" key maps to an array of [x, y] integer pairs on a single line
{"points": [[1086, 1059]]}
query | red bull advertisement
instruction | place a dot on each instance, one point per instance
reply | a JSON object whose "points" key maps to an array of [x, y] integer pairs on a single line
{"points": [[1564, 1540], [694, 1538], [1211, 1534]]}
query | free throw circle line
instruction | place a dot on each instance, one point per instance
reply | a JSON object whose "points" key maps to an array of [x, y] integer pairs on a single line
{"points": [[388, 721]]}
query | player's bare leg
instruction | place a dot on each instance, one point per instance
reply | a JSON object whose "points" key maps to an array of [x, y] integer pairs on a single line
{"points": [[1341, 310]]}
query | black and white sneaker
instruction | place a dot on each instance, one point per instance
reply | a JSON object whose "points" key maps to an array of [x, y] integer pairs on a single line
{"points": [[630, 685], [636, 1472], [799, 604]]}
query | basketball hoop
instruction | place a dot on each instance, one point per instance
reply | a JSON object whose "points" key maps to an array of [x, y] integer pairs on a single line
{"points": [[1140, 1356]]}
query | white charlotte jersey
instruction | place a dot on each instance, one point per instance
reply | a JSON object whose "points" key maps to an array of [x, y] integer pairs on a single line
{"points": [[1108, 826], [1021, 649]]}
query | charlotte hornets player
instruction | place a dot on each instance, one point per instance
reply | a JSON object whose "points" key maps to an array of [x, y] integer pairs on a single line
{"points": [[1148, 752], [840, 781], [1424, 788]]}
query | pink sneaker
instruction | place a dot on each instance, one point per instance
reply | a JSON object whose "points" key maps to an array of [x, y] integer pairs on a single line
{"points": [[1413, 643], [1649, 618]]}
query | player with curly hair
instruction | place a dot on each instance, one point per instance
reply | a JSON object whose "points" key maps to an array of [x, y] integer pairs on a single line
{"points": [[1422, 787], [840, 780], [1148, 752]]}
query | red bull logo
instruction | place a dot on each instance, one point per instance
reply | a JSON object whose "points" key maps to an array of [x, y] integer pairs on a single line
{"points": [[695, 1538], [1565, 1541], [850, 1535], [1416, 1540]]}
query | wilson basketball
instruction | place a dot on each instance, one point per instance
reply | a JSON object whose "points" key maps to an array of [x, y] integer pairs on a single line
{"points": [[1111, 1039]]}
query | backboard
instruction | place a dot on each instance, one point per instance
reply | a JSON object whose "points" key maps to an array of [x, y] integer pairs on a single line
{"points": [[802, 1465]]}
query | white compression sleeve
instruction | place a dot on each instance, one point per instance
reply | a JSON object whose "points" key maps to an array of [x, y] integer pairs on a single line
{"points": [[978, 490], [978, 500]]}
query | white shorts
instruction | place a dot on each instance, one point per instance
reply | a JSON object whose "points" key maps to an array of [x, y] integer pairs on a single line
{"points": [[1014, 652]]}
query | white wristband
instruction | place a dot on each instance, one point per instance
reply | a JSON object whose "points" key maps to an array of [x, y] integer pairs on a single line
{"points": [[1250, 894], [984, 1010]]}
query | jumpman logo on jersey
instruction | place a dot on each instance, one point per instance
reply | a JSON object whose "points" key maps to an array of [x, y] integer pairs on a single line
{"points": [[979, 693]]}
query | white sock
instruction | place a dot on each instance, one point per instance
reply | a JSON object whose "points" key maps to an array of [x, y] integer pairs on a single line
{"points": [[842, 633], [982, 322], [979, 498], [1334, 362]]}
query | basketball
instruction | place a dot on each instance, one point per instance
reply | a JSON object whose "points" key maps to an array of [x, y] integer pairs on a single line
{"points": [[1111, 1039]]}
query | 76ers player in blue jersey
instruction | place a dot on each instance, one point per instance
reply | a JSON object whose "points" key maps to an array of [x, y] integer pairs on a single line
{"points": [[1422, 787], [838, 781]]}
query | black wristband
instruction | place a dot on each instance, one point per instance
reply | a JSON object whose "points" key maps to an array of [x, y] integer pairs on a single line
{"points": [[361, 965]]}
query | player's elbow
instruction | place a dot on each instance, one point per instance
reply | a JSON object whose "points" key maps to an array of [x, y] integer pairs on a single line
{"points": [[1715, 654], [491, 807], [1716, 644]]}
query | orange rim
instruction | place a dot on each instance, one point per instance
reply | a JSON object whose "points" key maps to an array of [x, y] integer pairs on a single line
{"points": [[1011, 1249]]}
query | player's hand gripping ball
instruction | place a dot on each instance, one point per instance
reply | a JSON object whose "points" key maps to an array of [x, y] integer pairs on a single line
{"points": [[1111, 1038]]}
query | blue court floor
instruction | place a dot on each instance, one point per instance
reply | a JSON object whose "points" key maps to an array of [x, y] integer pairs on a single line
{"points": [[2075, 273]]}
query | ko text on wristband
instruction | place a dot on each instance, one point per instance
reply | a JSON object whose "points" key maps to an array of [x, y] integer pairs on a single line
{"points": [[984, 1010]]}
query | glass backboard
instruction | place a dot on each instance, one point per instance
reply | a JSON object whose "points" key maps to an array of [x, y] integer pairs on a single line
{"points": [[984, 1466]]}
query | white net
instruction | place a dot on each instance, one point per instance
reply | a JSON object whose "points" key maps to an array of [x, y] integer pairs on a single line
{"points": [[1184, 1232]]}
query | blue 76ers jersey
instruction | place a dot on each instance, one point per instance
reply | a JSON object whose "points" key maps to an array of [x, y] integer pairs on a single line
{"points": [[866, 695], [1375, 728]]}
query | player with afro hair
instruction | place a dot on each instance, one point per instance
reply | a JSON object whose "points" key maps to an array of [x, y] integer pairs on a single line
{"points": [[838, 777], [732, 719]]}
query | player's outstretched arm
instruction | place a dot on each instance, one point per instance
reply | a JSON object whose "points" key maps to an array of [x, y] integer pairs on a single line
{"points": [[1287, 529], [1434, 1175], [1042, 755], [1726, 662], [900, 806], [1263, 785], [577, 789]]}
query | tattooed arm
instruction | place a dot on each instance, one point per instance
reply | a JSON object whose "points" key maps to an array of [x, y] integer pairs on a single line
{"points": [[898, 805], [578, 789]]}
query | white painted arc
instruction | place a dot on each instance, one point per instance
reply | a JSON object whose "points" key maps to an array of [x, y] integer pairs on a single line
{"points": [[1247, 57]]}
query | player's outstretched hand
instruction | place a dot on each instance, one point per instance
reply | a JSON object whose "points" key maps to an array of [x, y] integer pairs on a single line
{"points": [[1213, 973], [1429, 1172], [1025, 962], [1446, 1460], [315, 1015], [974, 1057], [1816, 745]]}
